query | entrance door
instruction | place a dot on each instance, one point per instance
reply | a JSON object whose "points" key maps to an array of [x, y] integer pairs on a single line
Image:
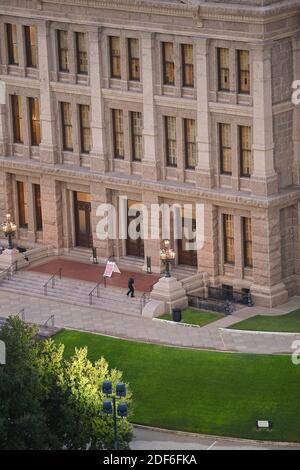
{"points": [[134, 247], [82, 205], [185, 256]]}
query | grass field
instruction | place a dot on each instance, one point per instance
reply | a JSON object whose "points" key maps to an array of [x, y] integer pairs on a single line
{"points": [[202, 391], [288, 323], [193, 316]]}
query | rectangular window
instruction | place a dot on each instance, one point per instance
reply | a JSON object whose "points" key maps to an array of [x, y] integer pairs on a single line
{"points": [[63, 50], [228, 228], [17, 116], [190, 143], [134, 59], [31, 46], [223, 69], [187, 65], [225, 149], [35, 124], [245, 151], [81, 53], [118, 129], [38, 207], [248, 249], [85, 128], [171, 144], [12, 44], [244, 71], [115, 57], [67, 129], [22, 205], [137, 136], [168, 63]]}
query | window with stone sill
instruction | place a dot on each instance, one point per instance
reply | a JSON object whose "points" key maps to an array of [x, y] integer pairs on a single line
{"points": [[134, 59], [245, 136], [115, 57], [225, 149], [137, 136], [171, 142], [248, 243], [30, 46], [38, 207], [35, 124], [243, 59], [85, 128], [118, 133], [12, 44], [22, 204], [81, 53], [190, 143], [63, 50], [168, 63], [67, 128], [228, 230], [17, 118], [223, 69], [187, 51]]}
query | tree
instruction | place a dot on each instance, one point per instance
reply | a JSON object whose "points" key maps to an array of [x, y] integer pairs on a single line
{"points": [[49, 402]]}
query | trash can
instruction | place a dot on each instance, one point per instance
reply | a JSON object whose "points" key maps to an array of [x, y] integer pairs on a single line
{"points": [[177, 315]]}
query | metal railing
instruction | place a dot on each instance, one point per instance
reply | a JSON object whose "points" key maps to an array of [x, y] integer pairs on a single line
{"points": [[50, 319], [212, 305], [21, 314], [236, 297], [9, 272], [52, 280], [97, 290], [145, 298]]}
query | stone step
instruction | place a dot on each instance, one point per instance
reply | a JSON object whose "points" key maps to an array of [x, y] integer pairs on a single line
{"points": [[72, 292]]}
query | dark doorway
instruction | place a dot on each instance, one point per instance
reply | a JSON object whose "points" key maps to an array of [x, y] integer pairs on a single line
{"points": [[185, 256], [83, 231], [134, 247]]}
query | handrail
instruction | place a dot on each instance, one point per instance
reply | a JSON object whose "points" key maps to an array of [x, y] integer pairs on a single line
{"points": [[21, 314], [10, 270], [52, 280], [145, 298], [52, 318], [96, 288]]}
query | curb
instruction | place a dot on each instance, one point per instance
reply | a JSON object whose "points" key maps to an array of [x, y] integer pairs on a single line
{"points": [[212, 436]]}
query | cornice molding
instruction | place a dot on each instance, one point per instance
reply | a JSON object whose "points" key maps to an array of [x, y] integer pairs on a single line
{"points": [[217, 196]]}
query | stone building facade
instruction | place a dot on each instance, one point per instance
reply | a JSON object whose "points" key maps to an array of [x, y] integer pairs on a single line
{"points": [[82, 75]]}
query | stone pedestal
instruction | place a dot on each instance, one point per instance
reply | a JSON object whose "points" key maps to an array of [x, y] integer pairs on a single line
{"points": [[8, 257], [171, 292]]}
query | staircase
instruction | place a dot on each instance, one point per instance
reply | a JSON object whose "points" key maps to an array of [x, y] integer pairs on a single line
{"points": [[79, 254], [72, 292]]}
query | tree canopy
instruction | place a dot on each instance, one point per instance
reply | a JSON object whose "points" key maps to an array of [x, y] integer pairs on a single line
{"points": [[50, 402]]}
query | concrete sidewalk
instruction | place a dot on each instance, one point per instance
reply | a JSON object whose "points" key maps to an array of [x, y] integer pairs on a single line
{"points": [[38, 310]]}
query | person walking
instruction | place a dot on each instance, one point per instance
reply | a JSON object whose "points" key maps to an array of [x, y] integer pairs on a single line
{"points": [[130, 287]]}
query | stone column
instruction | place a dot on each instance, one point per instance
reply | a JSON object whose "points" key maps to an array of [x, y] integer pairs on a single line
{"points": [[51, 198], [98, 153], [268, 289], [208, 255], [204, 166], [238, 247], [296, 128], [151, 168], [48, 147], [264, 180], [101, 195], [152, 246]]}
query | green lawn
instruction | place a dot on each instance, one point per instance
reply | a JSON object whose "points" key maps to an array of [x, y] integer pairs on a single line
{"points": [[288, 323], [202, 391], [193, 316]]}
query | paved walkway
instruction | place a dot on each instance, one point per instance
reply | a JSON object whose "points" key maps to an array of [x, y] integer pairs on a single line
{"points": [[38, 310]]}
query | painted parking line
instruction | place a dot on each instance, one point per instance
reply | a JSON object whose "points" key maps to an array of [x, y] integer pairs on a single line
{"points": [[213, 445]]}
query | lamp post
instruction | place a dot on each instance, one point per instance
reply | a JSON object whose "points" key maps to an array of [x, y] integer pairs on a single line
{"points": [[110, 406], [167, 256], [9, 229]]}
